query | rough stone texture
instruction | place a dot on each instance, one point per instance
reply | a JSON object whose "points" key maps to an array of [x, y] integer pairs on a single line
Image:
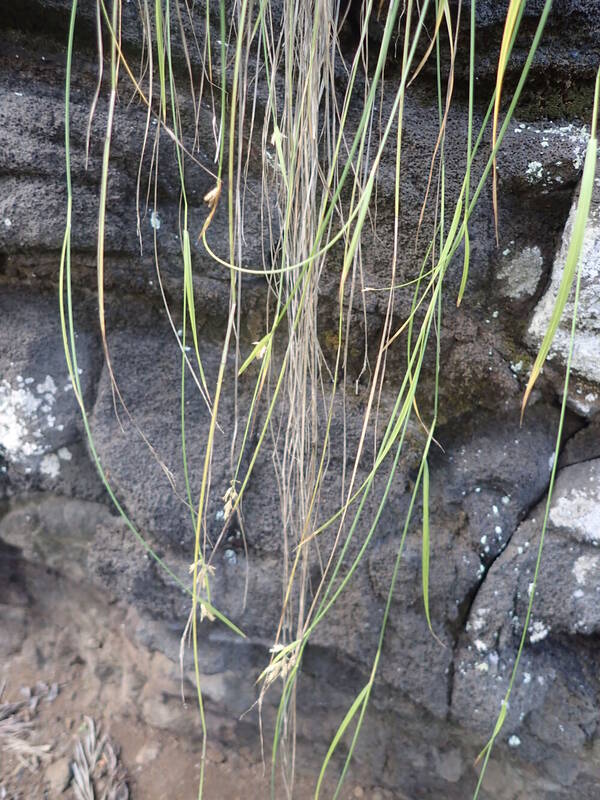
{"points": [[40, 436], [583, 446], [13, 602], [587, 345], [55, 530], [557, 669], [433, 705]]}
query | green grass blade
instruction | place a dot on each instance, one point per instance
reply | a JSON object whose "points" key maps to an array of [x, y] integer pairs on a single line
{"points": [[189, 291], [339, 734], [465, 272], [425, 544], [467, 181], [160, 45], [513, 14]]}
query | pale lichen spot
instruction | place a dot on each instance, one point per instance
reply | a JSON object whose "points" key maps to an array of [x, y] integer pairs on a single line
{"points": [[537, 631], [18, 407], [521, 274], [50, 465], [583, 566], [578, 511], [47, 386], [534, 171], [478, 622], [26, 416]]}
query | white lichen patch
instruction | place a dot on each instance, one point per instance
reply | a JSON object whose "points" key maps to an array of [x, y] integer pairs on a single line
{"points": [[583, 567], [18, 407], [26, 415], [577, 137], [534, 171], [585, 360], [521, 274], [537, 631], [578, 510], [47, 387], [64, 454], [583, 402], [516, 366], [478, 620], [50, 465]]}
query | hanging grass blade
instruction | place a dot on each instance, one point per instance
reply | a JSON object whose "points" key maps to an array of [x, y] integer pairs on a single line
{"points": [[465, 272], [351, 713], [442, 11], [467, 183], [497, 729], [425, 543], [160, 46], [512, 15], [191, 305]]}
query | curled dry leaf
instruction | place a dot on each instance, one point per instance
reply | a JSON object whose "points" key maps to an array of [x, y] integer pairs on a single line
{"points": [[211, 199]]}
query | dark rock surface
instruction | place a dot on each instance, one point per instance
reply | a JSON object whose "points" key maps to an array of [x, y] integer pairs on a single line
{"points": [[434, 705]]}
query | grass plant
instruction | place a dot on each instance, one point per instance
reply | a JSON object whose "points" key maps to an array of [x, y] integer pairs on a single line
{"points": [[282, 86]]}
